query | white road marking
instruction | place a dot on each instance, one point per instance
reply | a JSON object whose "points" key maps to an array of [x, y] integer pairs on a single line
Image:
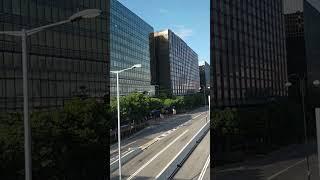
{"points": [[199, 115], [116, 150], [180, 151], [204, 169], [158, 154], [117, 159], [284, 170]]}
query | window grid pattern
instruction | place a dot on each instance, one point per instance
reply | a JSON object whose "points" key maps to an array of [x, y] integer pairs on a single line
{"points": [[184, 69], [60, 60], [129, 45], [248, 51]]}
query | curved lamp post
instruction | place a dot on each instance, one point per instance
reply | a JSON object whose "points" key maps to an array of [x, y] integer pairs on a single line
{"points": [[302, 94], [118, 104], [89, 13]]}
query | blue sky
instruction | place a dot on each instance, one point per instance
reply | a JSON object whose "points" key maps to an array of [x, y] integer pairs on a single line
{"points": [[190, 19]]}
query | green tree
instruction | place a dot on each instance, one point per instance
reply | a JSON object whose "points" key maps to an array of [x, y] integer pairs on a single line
{"points": [[155, 104], [11, 146], [135, 105], [66, 144]]}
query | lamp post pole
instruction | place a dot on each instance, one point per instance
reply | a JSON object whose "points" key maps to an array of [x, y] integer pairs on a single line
{"points": [[89, 13], [27, 127], [302, 92], [302, 87], [119, 135], [118, 109]]}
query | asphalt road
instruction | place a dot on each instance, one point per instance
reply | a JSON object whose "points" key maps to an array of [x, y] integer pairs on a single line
{"points": [[144, 136], [285, 164], [172, 135], [196, 166]]}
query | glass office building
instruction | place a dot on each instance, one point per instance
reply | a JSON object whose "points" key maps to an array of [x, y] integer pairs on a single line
{"points": [[62, 61], [302, 19], [129, 45], [177, 70], [204, 71], [248, 52]]}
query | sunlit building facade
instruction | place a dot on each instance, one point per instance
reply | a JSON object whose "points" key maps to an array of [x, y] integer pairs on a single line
{"points": [[176, 71], [129, 45]]}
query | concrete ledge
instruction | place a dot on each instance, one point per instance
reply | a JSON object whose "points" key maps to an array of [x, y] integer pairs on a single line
{"points": [[125, 158], [184, 153]]}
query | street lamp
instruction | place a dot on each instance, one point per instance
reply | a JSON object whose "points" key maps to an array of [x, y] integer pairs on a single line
{"points": [[316, 83], [89, 13], [302, 94], [118, 104], [209, 101], [204, 94]]}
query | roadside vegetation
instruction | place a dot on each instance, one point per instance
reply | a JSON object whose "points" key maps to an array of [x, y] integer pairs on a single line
{"points": [[71, 142], [68, 143], [137, 107], [242, 132]]}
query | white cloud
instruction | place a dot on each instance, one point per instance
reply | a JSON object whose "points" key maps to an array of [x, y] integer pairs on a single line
{"points": [[201, 63], [183, 32], [163, 11]]}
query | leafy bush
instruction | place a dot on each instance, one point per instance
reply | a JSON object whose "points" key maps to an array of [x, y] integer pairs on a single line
{"points": [[260, 126], [66, 144]]}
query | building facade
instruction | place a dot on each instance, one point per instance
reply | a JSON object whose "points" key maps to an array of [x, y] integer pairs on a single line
{"points": [[204, 71], [248, 52], [303, 50], [62, 61], [129, 45], [176, 65]]}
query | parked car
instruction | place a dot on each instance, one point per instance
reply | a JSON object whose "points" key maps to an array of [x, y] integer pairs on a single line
{"points": [[155, 113]]}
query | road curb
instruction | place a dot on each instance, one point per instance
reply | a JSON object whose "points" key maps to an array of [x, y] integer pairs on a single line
{"points": [[125, 158], [172, 168]]}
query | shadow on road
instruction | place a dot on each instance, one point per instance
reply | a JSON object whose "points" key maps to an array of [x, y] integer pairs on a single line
{"points": [[255, 174], [162, 125], [260, 167]]}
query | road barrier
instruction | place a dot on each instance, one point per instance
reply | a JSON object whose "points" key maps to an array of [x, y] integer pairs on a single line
{"points": [[125, 158], [171, 169]]}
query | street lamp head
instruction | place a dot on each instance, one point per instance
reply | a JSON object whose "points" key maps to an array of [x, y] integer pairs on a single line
{"points": [[137, 66], [288, 84], [316, 83], [85, 14]]}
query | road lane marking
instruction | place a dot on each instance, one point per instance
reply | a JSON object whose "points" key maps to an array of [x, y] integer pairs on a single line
{"points": [[199, 115], [158, 154], [204, 169], [284, 170], [116, 150], [181, 151], [117, 159], [166, 133]]}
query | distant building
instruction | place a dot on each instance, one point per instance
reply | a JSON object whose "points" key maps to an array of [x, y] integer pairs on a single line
{"points": [[129, 45], [63, 61], [302, 19], [248, 52], [204, 71], [175, 66]]}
